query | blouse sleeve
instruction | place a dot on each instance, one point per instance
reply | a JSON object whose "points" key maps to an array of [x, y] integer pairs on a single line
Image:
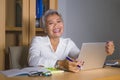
{"points": [[35, 58], [74, 50]]}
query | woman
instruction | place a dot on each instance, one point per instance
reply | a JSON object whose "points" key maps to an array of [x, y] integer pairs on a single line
{"points": [[52, 50]]}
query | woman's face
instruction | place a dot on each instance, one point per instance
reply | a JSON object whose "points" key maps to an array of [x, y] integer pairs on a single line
{"points": [[54, 26]]}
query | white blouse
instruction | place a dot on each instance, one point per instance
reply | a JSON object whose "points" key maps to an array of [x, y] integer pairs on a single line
{"points": [[42, 53]]}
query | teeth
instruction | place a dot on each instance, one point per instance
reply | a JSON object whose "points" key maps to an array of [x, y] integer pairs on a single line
{"points": [[56, 30]]}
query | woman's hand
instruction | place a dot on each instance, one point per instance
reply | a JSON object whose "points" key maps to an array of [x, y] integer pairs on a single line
{"points": [[72, 66], [110, 47]]}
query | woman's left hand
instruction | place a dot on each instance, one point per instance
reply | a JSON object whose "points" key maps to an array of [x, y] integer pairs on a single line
{"points": [[110, 47]]}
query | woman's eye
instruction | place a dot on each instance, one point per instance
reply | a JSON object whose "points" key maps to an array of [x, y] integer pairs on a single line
{"points": [[58, 21], [50, 23]]}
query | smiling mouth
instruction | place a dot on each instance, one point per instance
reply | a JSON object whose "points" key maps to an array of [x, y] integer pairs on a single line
{"points": [[56, 30]]}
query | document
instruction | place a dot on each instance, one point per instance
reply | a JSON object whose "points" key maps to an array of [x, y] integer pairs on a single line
{"points": [[54, 70], [23, 71]]}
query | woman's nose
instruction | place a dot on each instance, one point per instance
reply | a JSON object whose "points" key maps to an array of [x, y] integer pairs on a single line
{"points": [[55, 25]]}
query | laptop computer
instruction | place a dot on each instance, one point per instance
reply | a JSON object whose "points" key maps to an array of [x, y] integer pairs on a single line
{"points": [[93, 55]]}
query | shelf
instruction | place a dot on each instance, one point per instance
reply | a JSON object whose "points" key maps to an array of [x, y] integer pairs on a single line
{"points": [[13, 28], [20, 29], [39, 29]]}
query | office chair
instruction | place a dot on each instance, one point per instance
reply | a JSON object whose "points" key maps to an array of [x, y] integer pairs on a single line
{"points": [[18, 56]]}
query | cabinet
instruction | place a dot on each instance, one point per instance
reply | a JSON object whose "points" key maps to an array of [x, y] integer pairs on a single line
{"points": [[13, 34], [2, 33], [24, 33]]}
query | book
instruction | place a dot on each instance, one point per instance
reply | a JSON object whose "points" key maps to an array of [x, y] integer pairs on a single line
{"points": [[39, 8], [23, 71], [54, 70], [39, 11]]}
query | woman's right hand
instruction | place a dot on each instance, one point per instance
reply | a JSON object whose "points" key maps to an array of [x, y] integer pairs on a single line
{"points": [[70, 65]]}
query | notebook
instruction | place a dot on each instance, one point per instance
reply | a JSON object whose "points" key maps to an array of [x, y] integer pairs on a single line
{"points": [[54, 70], [23, 71], [93, 55]]}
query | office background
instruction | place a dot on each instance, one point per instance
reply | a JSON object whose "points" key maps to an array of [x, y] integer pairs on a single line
{"points": [[92, 21]]}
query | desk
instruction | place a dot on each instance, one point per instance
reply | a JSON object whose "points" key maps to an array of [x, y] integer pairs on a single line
{"points": [[96, 74]]}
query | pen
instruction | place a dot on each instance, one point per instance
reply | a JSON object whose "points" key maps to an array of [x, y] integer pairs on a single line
{"points": [[68, 58]]}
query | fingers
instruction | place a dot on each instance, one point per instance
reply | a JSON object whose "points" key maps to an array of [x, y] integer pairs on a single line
{"points": [[110, 42], [73, 66], [109, 47], [74, 69], [80, 62]]}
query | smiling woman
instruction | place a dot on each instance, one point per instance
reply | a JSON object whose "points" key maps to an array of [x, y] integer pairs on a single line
{"points": [[52, 50]]}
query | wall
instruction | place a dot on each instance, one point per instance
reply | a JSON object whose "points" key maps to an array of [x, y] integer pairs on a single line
{"points": [[62, 10], [92, 21]]}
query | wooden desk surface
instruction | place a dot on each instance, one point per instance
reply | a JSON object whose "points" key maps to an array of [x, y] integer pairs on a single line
{"points": [[97, 74]]}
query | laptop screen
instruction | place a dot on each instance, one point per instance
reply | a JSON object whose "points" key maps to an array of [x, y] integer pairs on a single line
{"points": [[93, 54]]}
